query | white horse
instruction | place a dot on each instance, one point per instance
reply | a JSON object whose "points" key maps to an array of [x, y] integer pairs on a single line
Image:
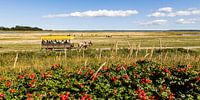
{"points": [[84, 44]]}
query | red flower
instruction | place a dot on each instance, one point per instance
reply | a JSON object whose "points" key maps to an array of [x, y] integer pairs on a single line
{"points": [[164, 87], [141, 94], [171, 96], [12, 91], [32, 76], [43, 75], [33, 81], [89, 98], [83, 97], [80, 73], [86, 97], [114, 78], [126, 76], [64, 97], [1, 95], [166, 70], [29, 95], [118, 69], [86, 73], [30, 85], [91, 71], [93, 78], [8, 84], [29, 98], [81, 85], [118, 65], [20, 77], [145, 81], [153, 97], [84, 67], [105, 68], [182, 70]]}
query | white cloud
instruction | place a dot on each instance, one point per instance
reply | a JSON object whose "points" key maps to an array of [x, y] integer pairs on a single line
{"points": [[186, 21], [157, 14], [155, 22], [166, 9], [166, 12], [97, 13]]}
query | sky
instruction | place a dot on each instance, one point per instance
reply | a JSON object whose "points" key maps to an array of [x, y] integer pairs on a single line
{"points": [[101, 14]]}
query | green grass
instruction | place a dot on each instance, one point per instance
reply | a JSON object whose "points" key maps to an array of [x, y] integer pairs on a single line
{"points": [[42, 60]]}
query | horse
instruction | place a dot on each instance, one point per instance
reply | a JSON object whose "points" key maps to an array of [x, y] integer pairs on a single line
{"points": [[85, 44], [109, 36]]}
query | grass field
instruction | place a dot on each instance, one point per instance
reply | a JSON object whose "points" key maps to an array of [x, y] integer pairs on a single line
{"points": [[10, 41], [20, 54], [27, 44]]}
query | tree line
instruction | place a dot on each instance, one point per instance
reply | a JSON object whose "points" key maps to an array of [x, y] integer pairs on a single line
{"points": [[21, 28]]}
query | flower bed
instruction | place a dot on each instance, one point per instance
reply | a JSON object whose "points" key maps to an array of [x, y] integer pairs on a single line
{"points": [[142, 80]]}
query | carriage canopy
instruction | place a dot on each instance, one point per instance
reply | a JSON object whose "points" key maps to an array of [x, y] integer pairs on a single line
{"points": [[58, 37]]}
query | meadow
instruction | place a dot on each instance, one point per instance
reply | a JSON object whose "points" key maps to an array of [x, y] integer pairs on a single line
{"points": [[130, 58]]}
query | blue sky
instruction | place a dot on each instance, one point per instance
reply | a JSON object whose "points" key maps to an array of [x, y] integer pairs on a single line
{"points": [[101, 14]]}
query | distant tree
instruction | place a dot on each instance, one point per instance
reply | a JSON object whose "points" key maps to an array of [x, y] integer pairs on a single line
{"points": [[21, 28], [4, 28]]}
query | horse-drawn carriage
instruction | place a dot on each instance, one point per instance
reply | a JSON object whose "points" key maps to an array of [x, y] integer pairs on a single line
{"points": [[59, 42], [56, 42]]}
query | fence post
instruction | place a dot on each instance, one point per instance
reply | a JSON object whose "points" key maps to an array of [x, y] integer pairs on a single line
{"points": [[16, 58]]}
